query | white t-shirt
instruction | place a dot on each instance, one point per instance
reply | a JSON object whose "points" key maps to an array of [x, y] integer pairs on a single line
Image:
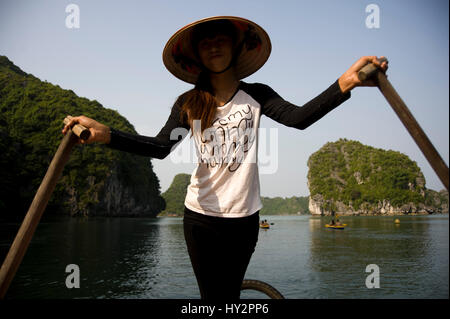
{"points": [[226, 181]]}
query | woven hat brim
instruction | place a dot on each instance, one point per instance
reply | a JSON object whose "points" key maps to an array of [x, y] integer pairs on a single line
{"points": [[181, 61]]}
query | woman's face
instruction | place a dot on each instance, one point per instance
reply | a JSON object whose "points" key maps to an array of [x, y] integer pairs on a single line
{"points": [[216, 52]]}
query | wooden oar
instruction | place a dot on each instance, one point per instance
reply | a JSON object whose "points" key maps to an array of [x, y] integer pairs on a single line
{"points": [[408, 120], [37, 207]]}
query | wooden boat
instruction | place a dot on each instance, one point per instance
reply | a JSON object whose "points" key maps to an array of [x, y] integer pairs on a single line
{"points": [[342, 226]]}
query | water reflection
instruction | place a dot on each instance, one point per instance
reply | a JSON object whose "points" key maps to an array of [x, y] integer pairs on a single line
{"points": [[147, 258], [114, 256], [175, 276], [403, 252]]}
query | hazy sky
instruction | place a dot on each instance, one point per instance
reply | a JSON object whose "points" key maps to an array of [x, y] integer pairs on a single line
{"points": [[115, 58]]}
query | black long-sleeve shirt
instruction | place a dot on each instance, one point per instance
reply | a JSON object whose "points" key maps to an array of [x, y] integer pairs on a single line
{"points": [[272, 105]]}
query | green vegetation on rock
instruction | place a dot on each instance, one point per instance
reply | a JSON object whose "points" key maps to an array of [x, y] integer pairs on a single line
{"points": [[96, 181], [285, 206], [175, 195], [347, 175]]}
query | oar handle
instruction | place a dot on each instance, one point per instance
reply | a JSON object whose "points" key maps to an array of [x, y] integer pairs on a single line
{"points": [[37, 207], [79, 130], [368, 70], [414, 129], [24, 235], [408, 120]]}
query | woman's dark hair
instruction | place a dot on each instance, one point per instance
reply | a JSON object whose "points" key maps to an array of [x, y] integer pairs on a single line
{"points": [[200, 103]]}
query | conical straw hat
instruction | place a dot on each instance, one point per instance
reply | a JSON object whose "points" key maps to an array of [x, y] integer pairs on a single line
{"points": [[180, 59]]}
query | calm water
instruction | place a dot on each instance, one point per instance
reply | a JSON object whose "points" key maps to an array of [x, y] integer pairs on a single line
{"points": [[147, 258]]}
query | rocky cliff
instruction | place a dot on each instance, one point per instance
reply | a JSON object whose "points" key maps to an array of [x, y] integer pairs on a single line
{"points": [[97, 180], [350, 178]]}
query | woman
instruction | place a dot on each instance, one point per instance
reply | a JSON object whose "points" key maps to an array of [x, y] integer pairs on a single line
{"points": [[222, 204]]}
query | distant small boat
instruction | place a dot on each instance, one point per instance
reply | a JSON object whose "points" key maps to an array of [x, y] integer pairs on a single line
{"points": [[264, 225], [336, 226]]}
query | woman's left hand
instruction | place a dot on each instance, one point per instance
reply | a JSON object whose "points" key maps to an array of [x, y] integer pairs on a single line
{"points": [[350, 79]]}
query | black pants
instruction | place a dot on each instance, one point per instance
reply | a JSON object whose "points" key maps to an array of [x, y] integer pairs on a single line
{"points": [[220, 250]]}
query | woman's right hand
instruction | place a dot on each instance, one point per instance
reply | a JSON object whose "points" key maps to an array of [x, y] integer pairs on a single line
{"points": [[99, 132]]}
